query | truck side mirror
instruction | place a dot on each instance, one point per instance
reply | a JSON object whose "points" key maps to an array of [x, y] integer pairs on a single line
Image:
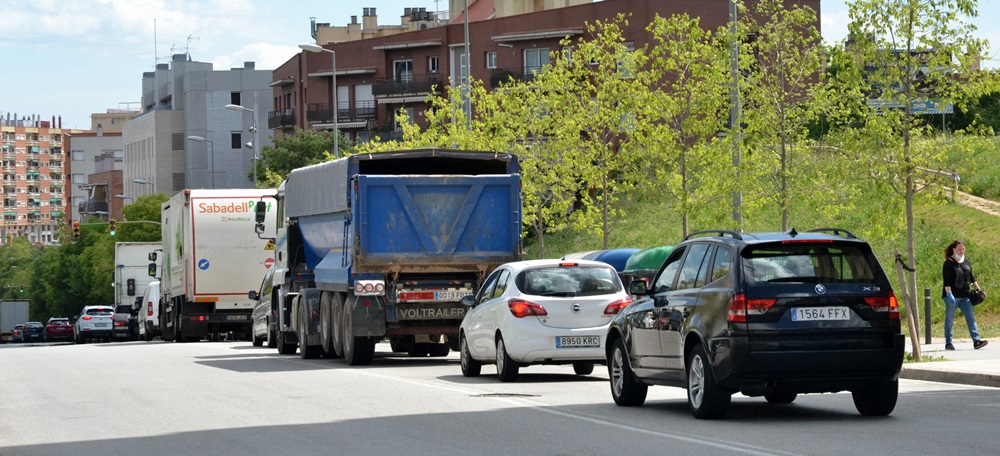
{"points": [[152, 256], [260, 211], [152, 270]]}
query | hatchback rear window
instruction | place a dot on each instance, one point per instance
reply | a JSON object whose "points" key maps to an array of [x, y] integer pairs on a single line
{"points": [[808, 262], [568, 281]]}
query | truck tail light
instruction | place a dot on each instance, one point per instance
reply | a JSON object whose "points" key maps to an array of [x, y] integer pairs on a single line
{"points": [[740, 307], [885, 304], [521, 308], [617, 306]]}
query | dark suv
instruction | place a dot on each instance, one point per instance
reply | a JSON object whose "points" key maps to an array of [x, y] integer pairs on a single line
{"points": [[767, 314]]}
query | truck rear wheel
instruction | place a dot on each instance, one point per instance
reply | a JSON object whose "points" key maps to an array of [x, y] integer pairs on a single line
{"points": [[285, 347], [325, 326], [358, 351], [306, 351], [337, 315]]}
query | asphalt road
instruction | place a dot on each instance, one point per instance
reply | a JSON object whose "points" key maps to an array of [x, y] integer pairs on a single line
{"points": [[231, 398]]}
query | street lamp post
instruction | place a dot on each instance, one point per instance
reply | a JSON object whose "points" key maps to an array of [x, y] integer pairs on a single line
{"points": [[333, 93], [143, 182], [254, 144], [211, 153]]}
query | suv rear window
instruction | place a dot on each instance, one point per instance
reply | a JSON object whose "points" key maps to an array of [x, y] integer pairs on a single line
{"points": [[807, 262], [568, 281], [101, 311]]}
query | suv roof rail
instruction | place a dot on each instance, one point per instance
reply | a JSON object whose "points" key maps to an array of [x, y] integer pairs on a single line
{"points": [[835, 231], [733, 234]]}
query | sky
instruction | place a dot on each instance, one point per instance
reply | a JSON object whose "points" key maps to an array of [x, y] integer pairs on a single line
{"points": [[75, 58]]}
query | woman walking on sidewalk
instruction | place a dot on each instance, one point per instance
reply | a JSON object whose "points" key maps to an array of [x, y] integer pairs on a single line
{"points": [[959, 281]]}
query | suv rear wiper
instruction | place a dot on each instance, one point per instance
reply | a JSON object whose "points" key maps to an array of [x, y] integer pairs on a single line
{"points": [[795, 279]]}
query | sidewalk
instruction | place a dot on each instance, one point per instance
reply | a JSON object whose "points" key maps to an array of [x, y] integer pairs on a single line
{"points": [[964, 365]]}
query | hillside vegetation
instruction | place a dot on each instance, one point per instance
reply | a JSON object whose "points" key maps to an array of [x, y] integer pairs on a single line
{"points": [[650, 221]]}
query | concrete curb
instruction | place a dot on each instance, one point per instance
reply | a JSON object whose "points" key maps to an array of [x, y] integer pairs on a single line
{"points": [[962, 378]]}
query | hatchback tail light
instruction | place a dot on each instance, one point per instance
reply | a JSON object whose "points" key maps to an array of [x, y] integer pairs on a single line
{"points": [[884, 304], [521, 308], [740, 307], [617, 306]]}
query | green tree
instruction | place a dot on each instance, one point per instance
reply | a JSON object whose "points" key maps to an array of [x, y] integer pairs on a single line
{"points": [[780, 70], [901, 53], [302, 148], [600, 90], [687, 101], [142, 219]]}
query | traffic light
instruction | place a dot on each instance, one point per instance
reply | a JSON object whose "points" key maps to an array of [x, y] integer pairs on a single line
{"points": [[112, 226], [21, 288], [76, 229]]}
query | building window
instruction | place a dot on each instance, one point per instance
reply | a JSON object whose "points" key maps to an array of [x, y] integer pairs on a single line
{"points": [[402, 70], [237, 138], [234, 98], [535, 59], [432, 64], [77, 155], [491, 60], [79, 179]]}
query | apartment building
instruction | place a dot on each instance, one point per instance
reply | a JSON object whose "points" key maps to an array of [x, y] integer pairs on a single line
{"points": [[34, 179], [378, 76], [187, 99]]}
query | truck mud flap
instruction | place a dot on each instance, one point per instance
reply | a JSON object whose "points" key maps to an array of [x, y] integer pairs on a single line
{"points": [[367, 315]]}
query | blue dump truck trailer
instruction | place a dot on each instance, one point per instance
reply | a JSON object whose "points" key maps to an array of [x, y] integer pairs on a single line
{"points": [[384, 246]]}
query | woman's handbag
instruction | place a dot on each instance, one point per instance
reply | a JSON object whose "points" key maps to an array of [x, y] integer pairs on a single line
{"points": [[977, 296]]}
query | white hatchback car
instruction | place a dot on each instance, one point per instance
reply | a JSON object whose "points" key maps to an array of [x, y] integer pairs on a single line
{"points": [[541, 312]]}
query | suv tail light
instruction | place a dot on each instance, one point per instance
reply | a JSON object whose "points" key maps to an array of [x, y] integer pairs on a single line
{"points": [[521, 308], [87, 317], [617, 306], [740, 307], [885, 304]]}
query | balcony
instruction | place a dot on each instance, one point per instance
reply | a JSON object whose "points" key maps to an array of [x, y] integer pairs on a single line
{"points": [[281, 119], [91, 207], [418, 84], [509, 75], [360, 111]]}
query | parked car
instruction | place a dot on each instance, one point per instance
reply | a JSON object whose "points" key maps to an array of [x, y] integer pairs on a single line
{"points": [[769, 314], [263, 319], [540, 312], [148, 318], [17, 334], [58, 328], [95, 322], [34, 331]]}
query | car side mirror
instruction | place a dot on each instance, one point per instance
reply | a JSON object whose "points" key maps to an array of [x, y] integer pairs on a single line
{"points": [[637, 288], [253, 295], [468, 300]]}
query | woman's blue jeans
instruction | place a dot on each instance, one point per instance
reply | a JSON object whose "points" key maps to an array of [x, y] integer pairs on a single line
{"points": [[950, 304]]}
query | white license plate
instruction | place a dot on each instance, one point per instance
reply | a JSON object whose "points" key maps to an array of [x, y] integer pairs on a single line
{"points": [[103, 325], [433, 295], [578, 341], [820, 313]]}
